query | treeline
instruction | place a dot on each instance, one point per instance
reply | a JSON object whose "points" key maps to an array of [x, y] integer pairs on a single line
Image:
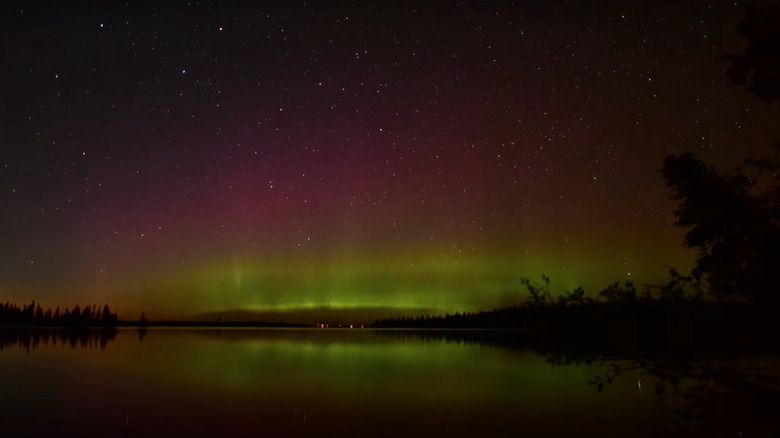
{"points": [[618, 318], [33, 315], [540, 307]]}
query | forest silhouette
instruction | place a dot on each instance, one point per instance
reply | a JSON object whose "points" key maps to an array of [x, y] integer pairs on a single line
{"points": [[33, 315]]}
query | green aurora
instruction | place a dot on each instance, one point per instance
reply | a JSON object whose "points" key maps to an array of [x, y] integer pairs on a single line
{"points": [[181, 165], [437, 282]]}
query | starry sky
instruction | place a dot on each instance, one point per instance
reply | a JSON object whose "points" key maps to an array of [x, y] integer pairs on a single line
{"points": [[179, 158]]}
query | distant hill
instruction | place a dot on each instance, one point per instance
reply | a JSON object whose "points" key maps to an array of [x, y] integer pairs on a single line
{"points": [[313, 316]]}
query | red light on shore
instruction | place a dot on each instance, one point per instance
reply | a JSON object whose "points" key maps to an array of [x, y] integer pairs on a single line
{"points": [[350, 326]]}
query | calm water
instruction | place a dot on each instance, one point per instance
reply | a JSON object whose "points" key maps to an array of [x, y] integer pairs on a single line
{"points": [[318, 383]]}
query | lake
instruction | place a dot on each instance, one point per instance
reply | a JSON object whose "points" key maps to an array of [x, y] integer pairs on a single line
{"points": [[333, 382]]}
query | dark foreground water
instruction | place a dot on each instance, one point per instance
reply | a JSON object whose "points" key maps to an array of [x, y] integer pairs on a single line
{"points": [[352, 383]]}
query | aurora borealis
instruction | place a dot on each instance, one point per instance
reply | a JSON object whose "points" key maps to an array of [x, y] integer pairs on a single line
{"points": [[206, 156]]}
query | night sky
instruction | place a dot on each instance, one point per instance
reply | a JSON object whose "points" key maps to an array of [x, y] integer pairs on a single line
{"points": [[196, 157]]}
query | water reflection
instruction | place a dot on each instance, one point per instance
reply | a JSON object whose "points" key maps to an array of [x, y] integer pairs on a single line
{"points": [[710, 396], [235, 382], [29, 339], [705, 393]]}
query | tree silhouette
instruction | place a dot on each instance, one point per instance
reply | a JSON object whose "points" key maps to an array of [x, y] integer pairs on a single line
{"points": [[108, 317], [758, 69], [733, 220], [615, 293], [538, 293], [735, 232], [11, 315]]}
